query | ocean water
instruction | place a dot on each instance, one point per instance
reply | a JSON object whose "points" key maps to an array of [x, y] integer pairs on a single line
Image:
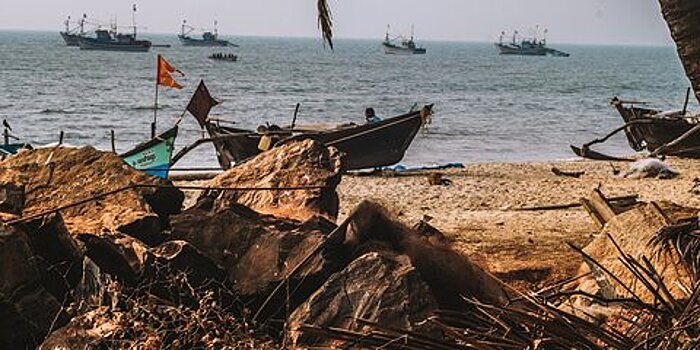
{"points": [[488, 108]]}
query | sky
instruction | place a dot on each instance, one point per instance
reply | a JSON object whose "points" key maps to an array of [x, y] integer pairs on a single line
{"points": [[626, 22]]}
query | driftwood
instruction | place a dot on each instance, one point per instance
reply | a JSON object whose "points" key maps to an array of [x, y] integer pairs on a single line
{"points": [[598, 208], [560, 172], [618, 201]]}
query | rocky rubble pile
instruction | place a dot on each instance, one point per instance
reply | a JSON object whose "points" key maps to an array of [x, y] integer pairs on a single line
{"points": [[239, 269]]}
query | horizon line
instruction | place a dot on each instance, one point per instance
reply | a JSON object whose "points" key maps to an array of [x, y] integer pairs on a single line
{"points": [[475, 41]]}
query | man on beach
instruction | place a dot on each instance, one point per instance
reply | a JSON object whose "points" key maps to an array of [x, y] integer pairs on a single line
{"points": [[371, 117]]}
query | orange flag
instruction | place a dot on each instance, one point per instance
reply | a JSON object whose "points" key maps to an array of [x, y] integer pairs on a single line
{"points": [[163, 75]]}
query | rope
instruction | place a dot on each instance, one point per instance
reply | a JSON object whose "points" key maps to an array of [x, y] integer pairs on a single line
{"points": [[135, 186]]}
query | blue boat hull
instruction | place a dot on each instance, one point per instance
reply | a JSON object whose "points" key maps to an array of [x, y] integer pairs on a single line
{"points": [[153, 157]]}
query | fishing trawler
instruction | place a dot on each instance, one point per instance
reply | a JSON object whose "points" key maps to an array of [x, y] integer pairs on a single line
{"points": [[208, 38], [71, 36], [527, 47], [111, 40], [404, 46]]}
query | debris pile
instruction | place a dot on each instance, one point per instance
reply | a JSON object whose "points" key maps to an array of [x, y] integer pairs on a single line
{"points": [[114, 263], [259, 262]]}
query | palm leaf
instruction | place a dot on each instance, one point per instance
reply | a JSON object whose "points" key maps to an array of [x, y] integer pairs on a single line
{"points": [[325, 22]]}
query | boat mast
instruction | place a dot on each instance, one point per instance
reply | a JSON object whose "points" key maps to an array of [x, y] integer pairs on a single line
{"points": [[216, 31], [67, 22], [184, 23], [500, 38], [386, 38], [82, 24], [133, 19], [544, 37], [411, 32], [515, 33]]}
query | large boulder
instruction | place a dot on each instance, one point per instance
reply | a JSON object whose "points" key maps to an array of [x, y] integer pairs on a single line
{"points": [[57, 254], [54, 177], [297, 164], [378, 287], [632, 231], [27, 310], [450, 275], [257, 251]]}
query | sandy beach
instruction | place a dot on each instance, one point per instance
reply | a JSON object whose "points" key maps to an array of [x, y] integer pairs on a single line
{"points": [[479, 210]]}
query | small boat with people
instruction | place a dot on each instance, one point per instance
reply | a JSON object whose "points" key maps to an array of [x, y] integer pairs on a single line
{"points": [[401, 45], [111, 40], [220, 56], [209, 38], [527, 46]]}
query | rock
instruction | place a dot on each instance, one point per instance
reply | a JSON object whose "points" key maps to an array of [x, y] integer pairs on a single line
{"points": [[257, 251], [633, 231], [58, 256], [379, 287], [302, 163], [119, 255], [27, 310], [53, 177], [11, 198], [449, 274], [84, 331], [183, 256]]}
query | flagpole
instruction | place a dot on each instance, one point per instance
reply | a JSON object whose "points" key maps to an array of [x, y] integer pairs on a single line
{"points": [[155, 104]]}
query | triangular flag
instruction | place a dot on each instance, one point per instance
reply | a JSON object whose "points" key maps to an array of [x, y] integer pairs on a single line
{"points": [[163, 76], [201, 103]]}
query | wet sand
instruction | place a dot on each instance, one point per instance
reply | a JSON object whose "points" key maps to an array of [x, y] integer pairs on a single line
{"points": [[479, 210]]}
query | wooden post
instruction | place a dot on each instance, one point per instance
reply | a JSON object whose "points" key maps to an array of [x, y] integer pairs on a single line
{"points": [[296, 110], [155, 103], [155, 113], [114, 148], [685, 104], [7, 136], [60, 138]]}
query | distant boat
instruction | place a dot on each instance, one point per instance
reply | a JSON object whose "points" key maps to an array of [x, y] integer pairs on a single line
{"points": [[527, 47], [404, 46], [110, 40], [71, 36], [208, 38], [153, 157], [219, 56]]}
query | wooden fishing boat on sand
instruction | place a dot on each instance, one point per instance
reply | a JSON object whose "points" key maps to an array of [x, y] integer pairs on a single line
{"points": [[153, 156], [668, 132], [656, 131], [369, 145]]}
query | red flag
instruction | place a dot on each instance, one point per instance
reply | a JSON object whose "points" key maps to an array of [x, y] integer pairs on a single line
{"points": [[201, 103], [163, 76]]}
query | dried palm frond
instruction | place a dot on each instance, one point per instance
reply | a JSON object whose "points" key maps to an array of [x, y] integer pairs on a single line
{"points": [[325, 22], [684, 239]]}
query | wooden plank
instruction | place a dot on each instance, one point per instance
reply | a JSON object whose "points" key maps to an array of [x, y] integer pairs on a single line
{"points": [[598, 208]]}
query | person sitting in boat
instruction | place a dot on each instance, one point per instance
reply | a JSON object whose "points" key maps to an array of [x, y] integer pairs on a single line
{"points": [[371, 117]]}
